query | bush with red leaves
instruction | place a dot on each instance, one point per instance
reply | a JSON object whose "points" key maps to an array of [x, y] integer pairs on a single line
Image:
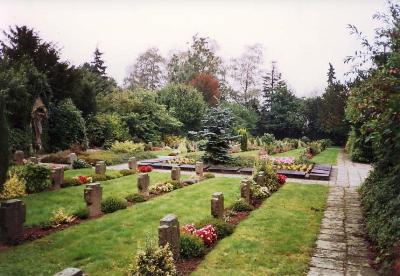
{"points": [[281, 178]]}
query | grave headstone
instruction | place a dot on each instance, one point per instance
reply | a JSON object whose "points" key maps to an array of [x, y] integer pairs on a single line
{"points": [[169, 232], [93, 195], [143, 184], [19, 157], [217, 205], [72, 158], [100, 167], [245, 190], [260, 179], [12, 218], [57, 178], [133, 164], [176, 173], [199, 169], [34, 160], [70, 271]]}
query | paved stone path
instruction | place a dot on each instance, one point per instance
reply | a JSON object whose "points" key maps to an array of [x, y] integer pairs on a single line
{"points": [[341, 248]]}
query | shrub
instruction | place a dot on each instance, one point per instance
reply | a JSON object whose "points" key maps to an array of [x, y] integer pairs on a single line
{"points": [[13, 188], [270, 176], [83, 179], [37, 177], [100, 177], [82, 213], [155, 261], [241, 205], [260, 192], [127, 147], [176, 184], [222, 227], [112, 204], [243, 139], [60, 157], [145, 155], [20, 139], [191, 246], [209, 175], [127, 172], [68, 182], [66, 127], [281, 179], [80, 164], [208, 234], [135, 198], [60, 217], [105, 128], [162, 188]]}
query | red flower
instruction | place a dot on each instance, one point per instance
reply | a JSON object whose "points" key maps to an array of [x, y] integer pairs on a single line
{"points": [[281, 178], [208, 233], [145, 168]]}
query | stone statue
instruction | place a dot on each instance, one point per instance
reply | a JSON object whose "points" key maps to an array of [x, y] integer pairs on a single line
{"points": [[39, 112]]}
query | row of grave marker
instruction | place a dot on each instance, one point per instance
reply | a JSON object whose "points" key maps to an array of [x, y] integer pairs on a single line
{"points": [[13, 212], [169, 229]]}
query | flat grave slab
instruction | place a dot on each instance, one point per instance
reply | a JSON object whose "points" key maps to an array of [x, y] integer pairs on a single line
{"points": [[292, 173], [223, 169], [316, 176], [157, 165], [187, 167], [318, 171], [248, 171]]}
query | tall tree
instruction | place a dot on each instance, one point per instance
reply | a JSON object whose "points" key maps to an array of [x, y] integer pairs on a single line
{"points": [[200, 58], [98, 63], [246, 72], [271, 81], [286, 115], [208, 86], [148, 71], [333, 109]]}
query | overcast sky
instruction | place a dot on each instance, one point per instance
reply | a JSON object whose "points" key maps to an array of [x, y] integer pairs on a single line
{"points": [[302, 36]]}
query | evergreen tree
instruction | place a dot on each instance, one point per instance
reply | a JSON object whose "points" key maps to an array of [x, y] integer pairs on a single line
{"points": [[4, 146], [331, 75], [271, 81], [98, 63], [333, 109], [218, 133]]}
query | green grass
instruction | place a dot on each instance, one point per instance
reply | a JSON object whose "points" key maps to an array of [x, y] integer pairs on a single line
{"points": [[41, 205], [250, 153], [89, 172], [276, 239], [163, 152], [107, 246], [328, 156]]}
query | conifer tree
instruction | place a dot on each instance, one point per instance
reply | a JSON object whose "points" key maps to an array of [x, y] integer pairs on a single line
{"points": [[98, 63]]}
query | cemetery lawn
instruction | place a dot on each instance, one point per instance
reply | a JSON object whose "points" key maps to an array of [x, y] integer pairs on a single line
{"points": [[41, 205], [328, 156], [276, 239], [107, 246], [89, 172]]}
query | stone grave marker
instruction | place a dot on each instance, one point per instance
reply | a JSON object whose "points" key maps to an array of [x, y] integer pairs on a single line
{"points": [[199, 169], [217, 205], [169, 232], [245, 191], [133, 164], [12, 218], [143, 183], [176, 173], [101, 168], [72, 158], [93, 194], [19, 157], [57, 178]]}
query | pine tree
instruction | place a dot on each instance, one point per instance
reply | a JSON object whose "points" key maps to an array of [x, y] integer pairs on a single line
{"points": [[218, 133], [331, 75], [272, 80], [4, 146], [98, 63]]}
